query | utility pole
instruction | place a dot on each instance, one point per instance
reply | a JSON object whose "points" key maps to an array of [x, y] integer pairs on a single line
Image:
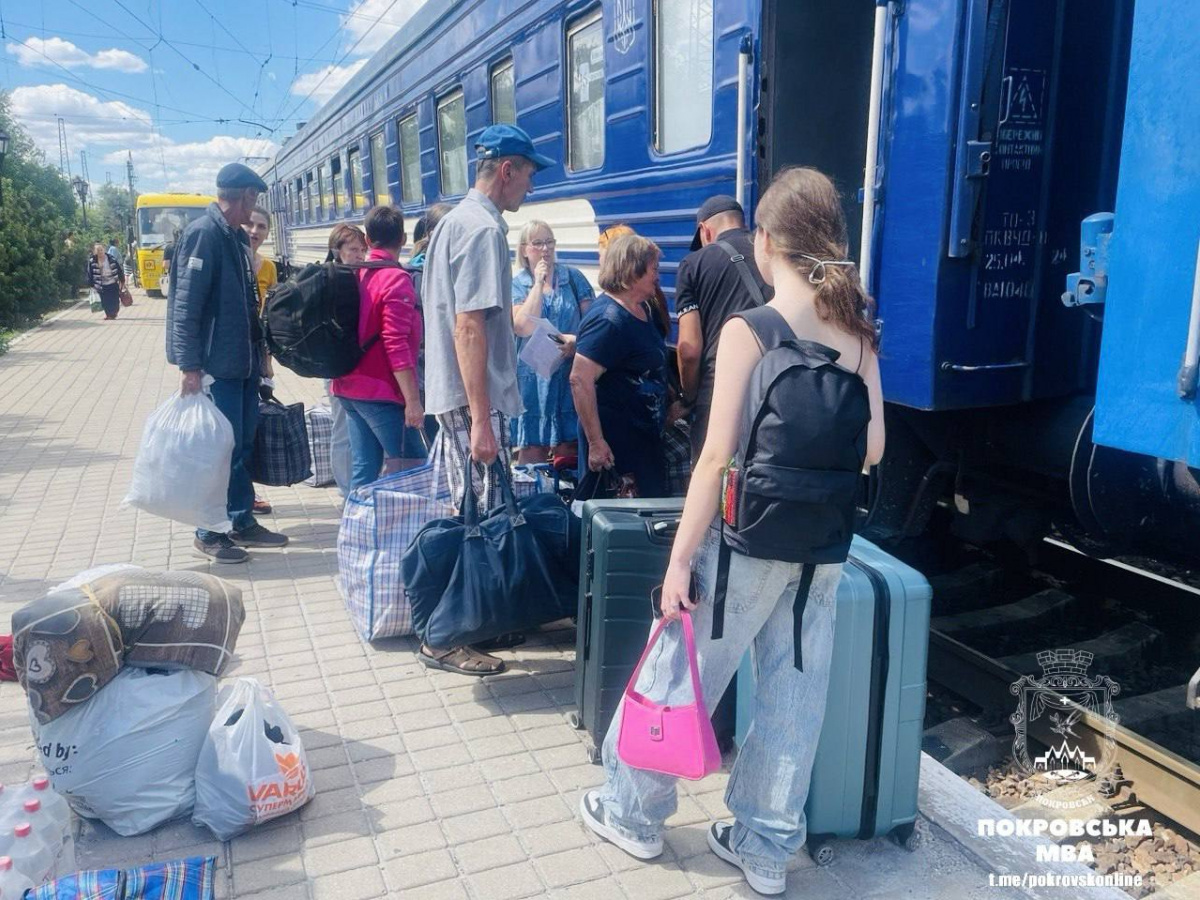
{"points": [[64, 158], [83, 170], [131, 231]]}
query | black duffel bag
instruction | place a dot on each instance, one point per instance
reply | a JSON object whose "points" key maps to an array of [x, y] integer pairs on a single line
{"points": [[471, 578], [281, 451]]}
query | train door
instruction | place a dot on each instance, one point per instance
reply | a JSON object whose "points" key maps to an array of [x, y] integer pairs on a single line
{"points": [[814, 93]]}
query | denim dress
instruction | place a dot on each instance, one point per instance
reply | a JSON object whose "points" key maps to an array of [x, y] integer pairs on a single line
{"points": [[549, 416]]}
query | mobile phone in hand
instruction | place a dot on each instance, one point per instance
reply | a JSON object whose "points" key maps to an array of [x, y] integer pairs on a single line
{"points": [[656, 596], [557, 339]]}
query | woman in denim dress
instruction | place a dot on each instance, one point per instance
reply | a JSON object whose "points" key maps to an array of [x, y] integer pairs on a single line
{"points": [[546, 289]]}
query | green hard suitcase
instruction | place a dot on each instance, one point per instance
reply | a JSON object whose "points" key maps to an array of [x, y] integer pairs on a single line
{"points": [[626, 546], [867, 769]]}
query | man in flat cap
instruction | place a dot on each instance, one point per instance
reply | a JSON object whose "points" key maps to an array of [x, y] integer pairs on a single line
{"points": [[470, 354], [213, 329], [717, 279]]}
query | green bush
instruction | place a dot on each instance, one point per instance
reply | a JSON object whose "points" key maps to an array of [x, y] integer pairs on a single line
{"points": [[39, 268]]}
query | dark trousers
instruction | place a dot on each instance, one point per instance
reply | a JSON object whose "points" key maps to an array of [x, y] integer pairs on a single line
{"points": [[698, 428], [110, 299], [237, 399]]}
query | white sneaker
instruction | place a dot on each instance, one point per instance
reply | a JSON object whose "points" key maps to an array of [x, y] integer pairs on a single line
{"points": [[592, 811], [718, 841]]}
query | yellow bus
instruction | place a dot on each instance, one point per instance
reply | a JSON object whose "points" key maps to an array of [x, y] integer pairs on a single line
{"points": [[160, 218]]}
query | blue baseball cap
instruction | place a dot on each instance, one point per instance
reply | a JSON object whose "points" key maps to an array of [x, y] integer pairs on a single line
{"points": [[509, 140]]}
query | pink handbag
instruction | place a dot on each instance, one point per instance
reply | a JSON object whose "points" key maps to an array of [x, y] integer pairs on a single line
{"points": [[673, 740]]}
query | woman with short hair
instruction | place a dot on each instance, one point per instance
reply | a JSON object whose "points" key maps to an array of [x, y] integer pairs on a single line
{"points": [[560, 294], [107, 279], [619, 380]]}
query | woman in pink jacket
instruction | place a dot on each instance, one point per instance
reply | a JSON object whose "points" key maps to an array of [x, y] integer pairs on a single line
{"points": [[381, 396]]}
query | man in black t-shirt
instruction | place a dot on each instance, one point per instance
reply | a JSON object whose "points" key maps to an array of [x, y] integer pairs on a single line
{"points": [[717, 279]]}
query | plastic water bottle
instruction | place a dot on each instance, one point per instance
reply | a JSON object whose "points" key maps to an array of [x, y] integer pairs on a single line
{"points": [[31, 856], [13, 884], [58, 815]]}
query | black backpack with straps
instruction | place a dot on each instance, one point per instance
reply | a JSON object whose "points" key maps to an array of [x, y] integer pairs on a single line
{"points": [[310, 322], [796, 474]]}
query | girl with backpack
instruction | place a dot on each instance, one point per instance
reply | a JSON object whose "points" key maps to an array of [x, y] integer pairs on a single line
{"points": [[797, 413]]}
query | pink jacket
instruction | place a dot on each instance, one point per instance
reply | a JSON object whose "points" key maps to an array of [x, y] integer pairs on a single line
{"points": [[389, 309]]}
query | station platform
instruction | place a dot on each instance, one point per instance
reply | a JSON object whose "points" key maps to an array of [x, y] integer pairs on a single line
{"points": [[430, 785]]}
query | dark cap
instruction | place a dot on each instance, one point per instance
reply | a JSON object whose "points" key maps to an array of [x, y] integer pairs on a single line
{"points": [[509, 140], [714, 206], [235, 176]]}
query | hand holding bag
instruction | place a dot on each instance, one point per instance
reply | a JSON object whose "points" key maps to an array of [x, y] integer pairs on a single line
{"points": [[672, 740], [126, 297]]}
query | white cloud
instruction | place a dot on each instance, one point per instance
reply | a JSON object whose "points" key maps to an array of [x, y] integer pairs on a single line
{"points": [[112, 129], [35, 51], [90, 119], [193, 166], [375, 21], [326, 82]]}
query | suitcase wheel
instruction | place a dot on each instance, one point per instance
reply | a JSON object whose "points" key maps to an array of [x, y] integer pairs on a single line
{"points": [[574, 721], [821, 850], [907, 836], [593, 755]]}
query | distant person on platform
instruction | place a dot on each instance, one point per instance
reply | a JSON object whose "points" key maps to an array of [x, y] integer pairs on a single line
{"points": [[470, 350], [213, 329], [106, 277], [717, 279], [114, 248]]}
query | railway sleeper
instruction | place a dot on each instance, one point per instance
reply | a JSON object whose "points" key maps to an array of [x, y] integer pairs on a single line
{"points": [[966, 589], [1136, 712], [1112, 652], [1029, 612], [962, 745]]}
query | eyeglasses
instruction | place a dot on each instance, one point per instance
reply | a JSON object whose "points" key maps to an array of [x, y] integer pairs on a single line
{"points": [[543, 245]]}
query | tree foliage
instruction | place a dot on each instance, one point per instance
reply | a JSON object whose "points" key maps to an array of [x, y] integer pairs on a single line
{"points": [[43, 250]]}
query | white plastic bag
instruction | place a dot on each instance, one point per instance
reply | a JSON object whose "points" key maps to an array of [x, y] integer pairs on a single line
{"points": [[252, 767], [128, 755], [182, 467]]}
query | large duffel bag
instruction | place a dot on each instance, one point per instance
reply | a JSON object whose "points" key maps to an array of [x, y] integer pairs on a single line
{"points": [[378, 522], [320, 445], [867, 767], [281, 453]]}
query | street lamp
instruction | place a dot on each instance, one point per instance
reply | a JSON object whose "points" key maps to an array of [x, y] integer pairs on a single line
{"points": [[3, 153], [81, 188]]}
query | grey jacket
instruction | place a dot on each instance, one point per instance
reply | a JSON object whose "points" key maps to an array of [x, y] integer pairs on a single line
{"points": [[213, 301]]}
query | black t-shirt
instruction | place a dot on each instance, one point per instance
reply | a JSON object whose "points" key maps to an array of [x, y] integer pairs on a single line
{"points": [[709, 283]]}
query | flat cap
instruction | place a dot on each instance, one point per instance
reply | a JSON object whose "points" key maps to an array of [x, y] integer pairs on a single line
{"points": [[236, 175], [714, 206]]}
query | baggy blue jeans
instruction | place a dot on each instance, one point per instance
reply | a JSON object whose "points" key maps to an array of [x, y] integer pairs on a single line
{"points": [[377, 433], [769, 784], [237, 399]]}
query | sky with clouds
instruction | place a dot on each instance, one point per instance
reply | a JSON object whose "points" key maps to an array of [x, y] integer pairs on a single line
{"points": [[184, 86]]}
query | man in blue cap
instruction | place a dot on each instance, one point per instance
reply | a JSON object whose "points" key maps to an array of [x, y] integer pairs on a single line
{"points": [[470, 355], [213, 328]]}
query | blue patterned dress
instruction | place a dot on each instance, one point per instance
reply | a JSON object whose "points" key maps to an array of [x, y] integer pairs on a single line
{"points": [[549, 416]]}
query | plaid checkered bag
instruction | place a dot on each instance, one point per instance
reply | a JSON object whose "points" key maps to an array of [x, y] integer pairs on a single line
{"points": [[320, 445], [281, 454], [182, 879], [379, 521], [677, 448]]}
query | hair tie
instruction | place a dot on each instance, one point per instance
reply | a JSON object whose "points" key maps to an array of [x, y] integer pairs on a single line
{"points": [[819, 266]]}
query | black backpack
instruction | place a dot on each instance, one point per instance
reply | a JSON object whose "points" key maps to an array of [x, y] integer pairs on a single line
{"points": [[799, 460], [311, 322]]}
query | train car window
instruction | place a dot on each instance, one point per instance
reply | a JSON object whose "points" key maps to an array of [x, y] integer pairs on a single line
{"points": [[310, 199], [504, 99], [298, 192], [322, 189], [585, 100], [379, 180], [683, 77], [357, 198], [452, 143], [410, 160], [335, 177], [287, 204]]}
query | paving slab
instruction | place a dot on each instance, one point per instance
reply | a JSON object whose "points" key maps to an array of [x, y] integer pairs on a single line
{"points": [[430, 785]]}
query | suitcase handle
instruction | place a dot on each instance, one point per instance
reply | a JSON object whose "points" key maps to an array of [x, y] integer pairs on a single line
{"points": [[664, 528]]}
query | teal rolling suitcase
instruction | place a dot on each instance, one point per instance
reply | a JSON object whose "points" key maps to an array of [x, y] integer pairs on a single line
{"points": [[867, 768], [626, 545]]}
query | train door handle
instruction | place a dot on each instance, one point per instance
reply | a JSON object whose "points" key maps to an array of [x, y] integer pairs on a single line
{"points": [[1189, 372], [972, 157]]}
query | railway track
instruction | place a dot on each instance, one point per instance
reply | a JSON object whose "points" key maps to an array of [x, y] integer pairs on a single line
{"points": [[1139, 622]]}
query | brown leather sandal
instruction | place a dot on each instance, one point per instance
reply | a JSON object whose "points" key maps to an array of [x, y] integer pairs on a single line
{"points": [[460, 660]]}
